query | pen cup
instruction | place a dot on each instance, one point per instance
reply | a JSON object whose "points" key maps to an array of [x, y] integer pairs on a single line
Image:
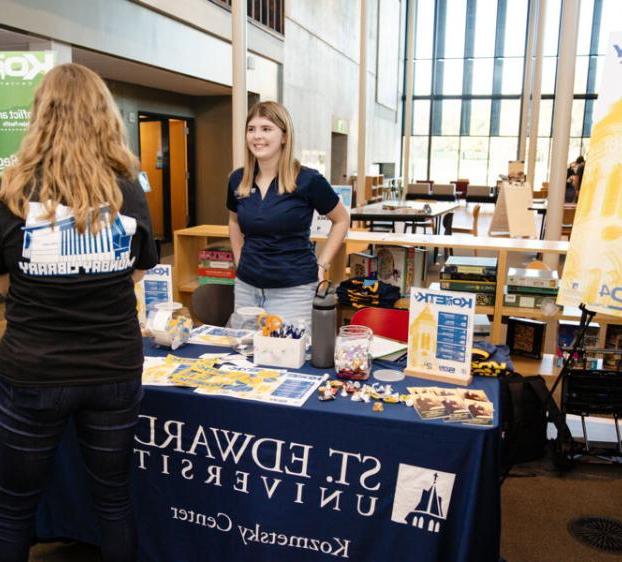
{"points": [[279, 352]]}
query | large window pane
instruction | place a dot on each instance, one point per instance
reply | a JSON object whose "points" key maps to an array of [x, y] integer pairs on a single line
{"points": [[451, 117], [418, 158], [480, 117], [423, 77], [542, 162], [585, 27], [444, 159], [515, 28], [502, 150], [424, 36], [545, 122], [454, 29], [510, 117], [551, 27], [574, 148], [549, 67], [576, 119], [512, 76], [580, 75], [452, 76], [485, 24], [473, 163], [482, 76], [421, 117]]}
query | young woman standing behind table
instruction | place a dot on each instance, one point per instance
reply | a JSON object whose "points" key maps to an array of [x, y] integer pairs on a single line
{"points": [[74, 236], [271, 202]]}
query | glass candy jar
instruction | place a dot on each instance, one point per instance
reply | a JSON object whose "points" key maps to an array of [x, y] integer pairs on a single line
{"points": [[353, 352], [170, 324]]}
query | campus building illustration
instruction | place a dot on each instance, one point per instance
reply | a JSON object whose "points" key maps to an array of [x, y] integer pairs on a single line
{"points": [[428, 514]]}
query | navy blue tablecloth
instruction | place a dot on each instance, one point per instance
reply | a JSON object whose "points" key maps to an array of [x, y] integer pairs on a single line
{"points": [[218, 479]]}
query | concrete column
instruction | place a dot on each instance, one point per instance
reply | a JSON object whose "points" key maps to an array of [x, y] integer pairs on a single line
{"points": [[408, 106], [527, 77], [536, 89], [240, 95], [62, 50], [562, 111], [361, 168]]}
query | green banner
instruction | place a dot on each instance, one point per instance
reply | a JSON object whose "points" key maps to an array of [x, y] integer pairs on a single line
{"points": [[20, 74]]}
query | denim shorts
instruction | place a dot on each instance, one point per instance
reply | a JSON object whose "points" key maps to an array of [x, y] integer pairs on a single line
{"points": [[290, 303]]}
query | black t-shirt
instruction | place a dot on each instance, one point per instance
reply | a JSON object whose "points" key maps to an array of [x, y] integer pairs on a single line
{"points": [[71, 308], [277, 251]]}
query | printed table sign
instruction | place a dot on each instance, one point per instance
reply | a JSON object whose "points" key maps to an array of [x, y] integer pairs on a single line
{"points": [[440, 335]]}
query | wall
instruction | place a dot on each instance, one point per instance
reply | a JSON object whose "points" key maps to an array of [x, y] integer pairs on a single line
{"points": [[320, 79], [125, 29], [214, 158]]}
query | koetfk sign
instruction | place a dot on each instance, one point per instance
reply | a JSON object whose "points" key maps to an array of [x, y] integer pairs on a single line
{"points": [[351, 483], [20, 74]]}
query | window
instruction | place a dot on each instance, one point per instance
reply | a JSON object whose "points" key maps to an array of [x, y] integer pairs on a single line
{"points": [[270, 13], [469, 64]]}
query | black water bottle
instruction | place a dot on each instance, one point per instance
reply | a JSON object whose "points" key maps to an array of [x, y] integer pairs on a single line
{"points": [[324, 326]]}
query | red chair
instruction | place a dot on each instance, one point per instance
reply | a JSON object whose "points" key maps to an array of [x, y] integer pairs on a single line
{"points": [[386, 322]]}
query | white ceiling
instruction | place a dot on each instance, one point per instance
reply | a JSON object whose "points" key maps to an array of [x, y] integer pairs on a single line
{"points": [[122, 70]]}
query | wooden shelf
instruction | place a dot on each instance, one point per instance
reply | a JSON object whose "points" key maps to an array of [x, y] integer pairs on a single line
{"points": [[189, 241]]}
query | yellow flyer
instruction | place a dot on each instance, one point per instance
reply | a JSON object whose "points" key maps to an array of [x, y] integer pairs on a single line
{"points": [[593, 270]]}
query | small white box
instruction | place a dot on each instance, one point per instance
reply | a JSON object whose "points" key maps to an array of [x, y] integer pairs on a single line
{"points": [[279, 352]]}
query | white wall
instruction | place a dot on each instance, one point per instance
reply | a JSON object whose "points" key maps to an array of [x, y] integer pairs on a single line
{"points": [[124, 29], [320, 79]]}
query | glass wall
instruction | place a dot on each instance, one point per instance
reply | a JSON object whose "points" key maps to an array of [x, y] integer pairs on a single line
{"points": [[468, 75]]}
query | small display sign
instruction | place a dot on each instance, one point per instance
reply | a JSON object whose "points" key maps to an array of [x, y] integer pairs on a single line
{"points": [[440, 335]]}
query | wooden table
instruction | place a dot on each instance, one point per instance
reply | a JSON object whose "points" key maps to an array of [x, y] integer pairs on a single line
{"points": [[404, 211]]}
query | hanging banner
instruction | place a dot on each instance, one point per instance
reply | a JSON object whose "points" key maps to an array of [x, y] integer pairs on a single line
{"points": [[20, 74], [593, 270]]}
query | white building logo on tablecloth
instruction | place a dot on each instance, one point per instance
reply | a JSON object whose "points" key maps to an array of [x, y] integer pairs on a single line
{"points": [[422, 497]]}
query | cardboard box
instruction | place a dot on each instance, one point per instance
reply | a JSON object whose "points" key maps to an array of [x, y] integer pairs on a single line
{"points": [[279, 352]]}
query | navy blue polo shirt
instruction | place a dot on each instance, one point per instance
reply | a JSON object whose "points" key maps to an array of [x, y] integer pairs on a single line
{"points": [[277, 250]]}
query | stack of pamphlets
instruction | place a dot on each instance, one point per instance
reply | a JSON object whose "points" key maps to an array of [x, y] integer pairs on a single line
{"points": [[464, 405]]}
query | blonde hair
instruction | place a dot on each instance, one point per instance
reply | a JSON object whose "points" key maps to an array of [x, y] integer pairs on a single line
{"points": [[288, 166], [74, 151]]}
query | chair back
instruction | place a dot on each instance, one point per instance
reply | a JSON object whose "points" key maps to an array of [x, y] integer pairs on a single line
{"points": [[385, 322], [479, 191], [213, 304], [417, 189], [444, 190]]}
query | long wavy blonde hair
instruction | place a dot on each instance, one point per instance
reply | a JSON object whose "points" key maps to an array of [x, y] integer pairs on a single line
{"points": [[74, 151], [288, 165]]}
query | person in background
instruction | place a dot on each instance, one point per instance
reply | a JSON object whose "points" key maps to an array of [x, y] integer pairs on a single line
{"points": [[574, 177], [75, 235], [271, 202]]}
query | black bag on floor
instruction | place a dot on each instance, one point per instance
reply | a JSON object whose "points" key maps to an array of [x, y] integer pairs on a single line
{"points": [[523, 419]]}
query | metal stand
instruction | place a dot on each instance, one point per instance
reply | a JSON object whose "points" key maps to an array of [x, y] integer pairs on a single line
{"points": [[578, 398]]}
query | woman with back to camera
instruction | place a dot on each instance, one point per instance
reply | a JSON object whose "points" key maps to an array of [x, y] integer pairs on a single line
{"points": [[271, 202], [74, 236]]}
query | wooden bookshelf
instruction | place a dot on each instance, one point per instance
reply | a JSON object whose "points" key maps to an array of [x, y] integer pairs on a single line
{"points": [[189, 241]]}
